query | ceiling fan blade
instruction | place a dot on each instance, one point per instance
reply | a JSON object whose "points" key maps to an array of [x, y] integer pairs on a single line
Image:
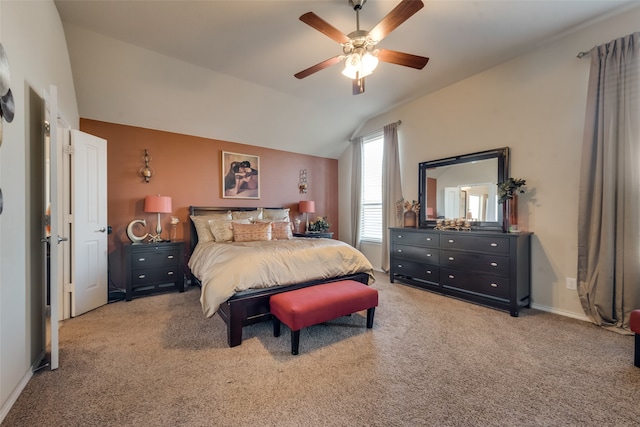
{"points": [[401, 58], [358, 86], [324, 27], [321, 66], [403, 11]]}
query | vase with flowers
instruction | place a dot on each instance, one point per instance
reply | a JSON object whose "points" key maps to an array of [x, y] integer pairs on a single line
{"points": [[508, 195], [409, 215]]}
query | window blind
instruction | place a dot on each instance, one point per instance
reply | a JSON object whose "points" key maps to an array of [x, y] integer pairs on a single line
{"points": [[371, 215]]}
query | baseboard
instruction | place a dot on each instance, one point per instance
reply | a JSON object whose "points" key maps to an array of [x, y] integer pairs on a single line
{"points": [[6, 406], [560, 312]]}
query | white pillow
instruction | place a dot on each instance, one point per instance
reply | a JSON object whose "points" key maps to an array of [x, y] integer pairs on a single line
{"points": [[251, 215], [276, 214], [221, 229], [201, 222]]}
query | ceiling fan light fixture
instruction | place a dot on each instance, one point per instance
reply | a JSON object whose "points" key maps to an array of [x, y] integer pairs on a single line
{"points": [[359, 64]]}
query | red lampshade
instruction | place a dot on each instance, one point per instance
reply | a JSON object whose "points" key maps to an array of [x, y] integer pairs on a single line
{"points": [[307, 206], [429, 212], [157, 204]]}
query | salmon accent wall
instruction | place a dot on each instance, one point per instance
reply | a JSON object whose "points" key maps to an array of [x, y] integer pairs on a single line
{"points": [[188, 169]]}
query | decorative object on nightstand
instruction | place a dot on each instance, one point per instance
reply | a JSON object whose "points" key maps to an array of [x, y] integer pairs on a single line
{"points": [[157, 204], [146, 172], [319, 225], [153, 267], [173, 235], [306, 207], [131, 235]]}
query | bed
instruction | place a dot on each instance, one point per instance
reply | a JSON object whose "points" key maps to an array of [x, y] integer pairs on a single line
{"points": [[238, 278]]}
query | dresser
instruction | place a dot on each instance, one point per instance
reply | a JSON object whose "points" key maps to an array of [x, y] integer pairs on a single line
{"points": [[153, 268], [488, 268]]}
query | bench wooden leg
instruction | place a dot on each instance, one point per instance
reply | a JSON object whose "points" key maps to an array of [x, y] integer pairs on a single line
{"points": [[276, 326], [370, 313], [636, 357], [295, 341]]}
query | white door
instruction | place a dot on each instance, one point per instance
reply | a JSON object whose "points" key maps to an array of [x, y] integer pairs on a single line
{"points": [[53, 181], [89, 275]]}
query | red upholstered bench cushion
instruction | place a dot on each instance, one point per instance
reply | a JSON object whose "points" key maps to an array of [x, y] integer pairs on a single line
{"points": [[634, 321], [321, 303]]}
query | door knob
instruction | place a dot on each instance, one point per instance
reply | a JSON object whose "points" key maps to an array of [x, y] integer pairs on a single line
{"points": [[62, 239], [101, 230]]}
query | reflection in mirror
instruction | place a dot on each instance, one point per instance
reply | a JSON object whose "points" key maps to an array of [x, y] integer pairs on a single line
{"points": [[463, 187]]}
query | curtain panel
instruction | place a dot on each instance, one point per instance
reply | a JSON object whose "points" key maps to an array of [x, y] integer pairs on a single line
{"points": [[356, 192], [391, 188], [609, 193]]}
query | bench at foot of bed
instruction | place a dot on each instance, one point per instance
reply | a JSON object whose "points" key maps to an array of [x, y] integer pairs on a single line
{"points": [[317, 304]]}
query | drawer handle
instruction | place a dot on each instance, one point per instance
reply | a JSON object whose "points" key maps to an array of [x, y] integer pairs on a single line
{"points": [[494, 285], [399, 250], [451, 276], [428, 271], [494, 264], [170, 273], [494, 245], [141, 259], [399, 236], [142, 276], [450, 258], [428, 239], [429, 255], [450, 240], [170, 257], [399, 265]]}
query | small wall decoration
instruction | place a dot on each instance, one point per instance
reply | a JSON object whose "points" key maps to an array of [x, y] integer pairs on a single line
{"points": [[302, 184], [240, 177]]}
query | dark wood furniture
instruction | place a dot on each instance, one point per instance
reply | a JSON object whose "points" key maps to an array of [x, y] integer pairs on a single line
{"points": [[315, 234], [489, 268], [153, 268], [251, 306]]}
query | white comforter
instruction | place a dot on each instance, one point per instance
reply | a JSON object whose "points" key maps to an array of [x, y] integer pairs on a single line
{"points": [[226, 268]]}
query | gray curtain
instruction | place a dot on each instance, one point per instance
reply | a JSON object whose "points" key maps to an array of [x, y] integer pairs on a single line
{"points": [[609, 194], [391, 187], [356, 192]]}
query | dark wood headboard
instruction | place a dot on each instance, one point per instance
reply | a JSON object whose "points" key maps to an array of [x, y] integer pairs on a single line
{"points": [[204, 210]]}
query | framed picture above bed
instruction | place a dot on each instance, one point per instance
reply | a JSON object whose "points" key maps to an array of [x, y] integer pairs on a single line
{"points": [[240, 177]]}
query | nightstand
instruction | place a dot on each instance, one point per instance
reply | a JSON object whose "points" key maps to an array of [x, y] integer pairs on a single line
{"points": [[154, 268], [315, 234]]}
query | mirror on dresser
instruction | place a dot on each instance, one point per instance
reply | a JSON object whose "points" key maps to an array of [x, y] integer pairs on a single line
{"points": [[464, 186]]}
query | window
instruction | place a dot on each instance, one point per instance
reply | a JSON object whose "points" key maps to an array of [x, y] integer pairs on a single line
{"points": [[371, 219]]}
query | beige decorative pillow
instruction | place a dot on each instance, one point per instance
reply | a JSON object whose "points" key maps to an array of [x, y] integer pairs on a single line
{"points": [[252, 215], [251, 232], [276, 214], [201, 222], [280, 230], [221, 229]]}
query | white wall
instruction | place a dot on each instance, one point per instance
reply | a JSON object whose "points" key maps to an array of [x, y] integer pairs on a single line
{"points": [[32, 36], [534, 104]]}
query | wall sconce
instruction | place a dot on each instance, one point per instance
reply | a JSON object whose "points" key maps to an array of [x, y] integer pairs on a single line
{"points": [[146, 172], [302, 184]]}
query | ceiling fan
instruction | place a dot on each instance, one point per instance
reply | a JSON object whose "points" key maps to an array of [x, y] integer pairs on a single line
{"points": [[359, 47]]}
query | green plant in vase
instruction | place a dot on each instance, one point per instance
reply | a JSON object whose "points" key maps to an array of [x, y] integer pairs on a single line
{"points": [[507, 193], [319, 225]]}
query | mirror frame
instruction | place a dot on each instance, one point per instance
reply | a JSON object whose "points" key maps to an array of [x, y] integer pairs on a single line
{"points": [[501, 154]]}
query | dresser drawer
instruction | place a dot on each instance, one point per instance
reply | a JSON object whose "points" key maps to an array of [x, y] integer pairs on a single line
{"points": [[149, 276], [152, 257], [430, 273], [431, 240], [476, 262], [486, 244], [416, 253], [478, 283]]}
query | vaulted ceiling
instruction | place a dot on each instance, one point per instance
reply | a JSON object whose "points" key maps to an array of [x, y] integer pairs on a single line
{"points": [[224, 69]]}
